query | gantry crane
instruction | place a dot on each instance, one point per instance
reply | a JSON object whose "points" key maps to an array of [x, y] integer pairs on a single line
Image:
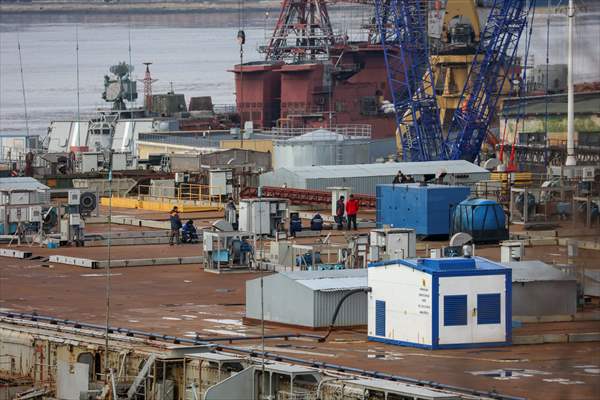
{"points": [[489, 71], [402, 32]]}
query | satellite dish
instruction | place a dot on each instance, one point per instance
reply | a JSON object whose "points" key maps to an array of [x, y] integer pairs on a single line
{"points": [[460, 239], [491, 164], [222, 225], [113, 91]]}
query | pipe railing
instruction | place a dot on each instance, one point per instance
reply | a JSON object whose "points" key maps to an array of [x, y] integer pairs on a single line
{"points": [[256, 354]]}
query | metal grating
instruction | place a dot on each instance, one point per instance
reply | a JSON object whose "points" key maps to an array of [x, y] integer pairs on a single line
{"points": [[379, 318], [488, 308], [455, 310]]}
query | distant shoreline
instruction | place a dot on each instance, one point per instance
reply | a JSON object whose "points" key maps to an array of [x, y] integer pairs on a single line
{"points": [[135, 8]]}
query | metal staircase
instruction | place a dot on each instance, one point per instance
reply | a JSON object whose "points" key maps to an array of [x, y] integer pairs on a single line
{"points": [[138, 387]]}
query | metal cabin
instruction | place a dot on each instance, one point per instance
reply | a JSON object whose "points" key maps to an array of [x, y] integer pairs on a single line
{"points": [[21, 202], [309, 298], [440, 303]]}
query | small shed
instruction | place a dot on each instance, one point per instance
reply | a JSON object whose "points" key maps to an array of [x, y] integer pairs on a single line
{"points": [[21, 201], [309, 298], [534, 283], [440, 303]]}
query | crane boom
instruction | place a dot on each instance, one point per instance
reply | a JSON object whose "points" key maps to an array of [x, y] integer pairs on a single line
{"points": [[405, 43], [488, 73]]}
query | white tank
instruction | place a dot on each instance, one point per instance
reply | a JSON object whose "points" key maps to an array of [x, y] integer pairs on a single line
{"points": [[320, 147]]}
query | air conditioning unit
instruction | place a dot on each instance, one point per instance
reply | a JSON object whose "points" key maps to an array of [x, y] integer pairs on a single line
{"points": [[35, 214], [74, 197], [18, 214], [74, 219], [180, 177], [589, 174], [511, 251]]}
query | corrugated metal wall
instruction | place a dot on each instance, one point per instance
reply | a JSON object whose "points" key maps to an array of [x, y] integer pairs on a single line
{"points": [[285, 301], [288, 302], [300, 154], [359, 184], [352, 313], [544, 298], [282, 177]]}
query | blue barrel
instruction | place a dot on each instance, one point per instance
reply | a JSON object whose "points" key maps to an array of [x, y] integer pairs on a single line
{"points": [[483, 219]]}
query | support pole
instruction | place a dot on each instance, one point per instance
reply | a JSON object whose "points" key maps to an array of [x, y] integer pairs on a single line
{"points": [[571, 159]]}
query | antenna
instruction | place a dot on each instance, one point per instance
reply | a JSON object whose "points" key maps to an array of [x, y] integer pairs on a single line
{"points": [[130, 66], [23, 84], [148, 81], [77, 62]]}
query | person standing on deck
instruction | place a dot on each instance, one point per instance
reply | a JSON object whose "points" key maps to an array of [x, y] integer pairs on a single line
{"points": [[340, 210], [175, 226], [351, 211], [231, 213]]}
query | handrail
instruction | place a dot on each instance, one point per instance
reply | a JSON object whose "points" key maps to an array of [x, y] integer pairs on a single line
{"points": [[182, 192]]}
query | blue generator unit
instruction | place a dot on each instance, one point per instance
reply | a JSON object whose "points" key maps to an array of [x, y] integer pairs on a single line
{"points": [[424, 208], [483, 219]]}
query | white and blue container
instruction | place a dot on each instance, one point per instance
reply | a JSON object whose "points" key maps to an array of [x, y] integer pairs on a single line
{"points": [[440, 303]]}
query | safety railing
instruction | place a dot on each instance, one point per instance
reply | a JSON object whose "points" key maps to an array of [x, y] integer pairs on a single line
{"points": [[224, 108], [185, 192], [351, 130], [192, 138]]}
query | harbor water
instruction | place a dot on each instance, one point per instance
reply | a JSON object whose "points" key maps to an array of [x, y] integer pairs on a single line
{"points": [[191, 52]]}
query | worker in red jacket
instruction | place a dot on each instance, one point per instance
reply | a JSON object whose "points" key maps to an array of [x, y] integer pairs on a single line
{"points": [[351, 211]]}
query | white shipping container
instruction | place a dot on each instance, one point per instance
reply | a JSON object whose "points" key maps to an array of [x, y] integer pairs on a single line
{"points": [[440, 303]]}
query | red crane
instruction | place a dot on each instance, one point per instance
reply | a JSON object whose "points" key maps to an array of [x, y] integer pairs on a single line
{"points": [[303, 32]]}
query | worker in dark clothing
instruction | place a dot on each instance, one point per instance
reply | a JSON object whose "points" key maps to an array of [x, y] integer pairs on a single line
{"points": [[246, 252], [399, 178], [175, 226], [231, 213], [351, 211], [189, 233], [316, 223], [340, 210]]}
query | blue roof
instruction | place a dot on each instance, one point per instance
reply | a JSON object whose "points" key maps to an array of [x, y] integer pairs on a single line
{"points": [[454, 265]]}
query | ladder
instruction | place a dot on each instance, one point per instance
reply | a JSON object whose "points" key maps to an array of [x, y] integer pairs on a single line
{"points": [[141, 377]]}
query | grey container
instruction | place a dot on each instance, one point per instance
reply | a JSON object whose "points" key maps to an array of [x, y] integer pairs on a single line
{"points": [[309, 298]]}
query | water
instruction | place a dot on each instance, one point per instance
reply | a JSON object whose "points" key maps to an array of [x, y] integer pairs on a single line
{"points": [[193, 51]]}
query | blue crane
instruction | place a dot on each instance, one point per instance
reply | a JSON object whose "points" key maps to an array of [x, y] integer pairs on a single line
{"points": [[404, 39], [488, 74], [401, 25]]}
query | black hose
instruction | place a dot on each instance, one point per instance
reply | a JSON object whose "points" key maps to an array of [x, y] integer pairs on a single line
{"points": [[337, 310]]}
